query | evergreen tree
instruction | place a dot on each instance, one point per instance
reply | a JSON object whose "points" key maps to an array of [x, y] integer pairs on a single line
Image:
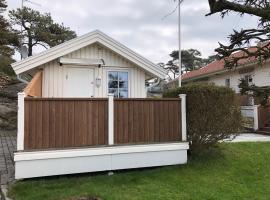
{"points": [[191, 59], [7, 39], [39, 29]]}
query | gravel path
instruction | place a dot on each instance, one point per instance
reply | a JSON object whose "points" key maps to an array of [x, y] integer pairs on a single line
{"points": [[251, 137]]}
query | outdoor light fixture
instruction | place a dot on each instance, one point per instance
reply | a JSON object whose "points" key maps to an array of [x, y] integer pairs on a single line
{"points": [[98, 82]]}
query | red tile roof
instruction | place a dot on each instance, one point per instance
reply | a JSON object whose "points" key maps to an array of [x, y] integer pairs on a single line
{"points": [[216, 66]]}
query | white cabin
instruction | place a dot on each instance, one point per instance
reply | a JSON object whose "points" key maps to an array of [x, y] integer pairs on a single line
{"points": [[92, 65]]}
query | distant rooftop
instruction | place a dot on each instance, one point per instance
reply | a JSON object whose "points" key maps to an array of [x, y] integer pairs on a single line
{"points": [[215, 66]]}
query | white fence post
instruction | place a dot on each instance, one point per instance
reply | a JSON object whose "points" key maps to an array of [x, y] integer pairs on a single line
{"points": [[256, 117], [111, 119], [20, 122], [184, 116]]}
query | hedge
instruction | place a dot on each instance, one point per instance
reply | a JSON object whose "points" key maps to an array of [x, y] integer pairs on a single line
{"points": [[212, 114]]}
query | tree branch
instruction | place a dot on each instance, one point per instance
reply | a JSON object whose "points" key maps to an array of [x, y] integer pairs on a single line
{"points": [[38, 43], [217, 6]]}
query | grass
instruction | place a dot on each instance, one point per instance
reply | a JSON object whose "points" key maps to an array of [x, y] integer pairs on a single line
{"points": [[235, 171]]}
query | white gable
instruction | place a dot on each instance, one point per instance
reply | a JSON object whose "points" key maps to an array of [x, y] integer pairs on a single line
{"points": [[98, 51], [76, 45]]}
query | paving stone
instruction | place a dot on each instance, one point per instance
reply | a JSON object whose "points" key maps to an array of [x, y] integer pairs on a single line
{"points": [[7, 148]]}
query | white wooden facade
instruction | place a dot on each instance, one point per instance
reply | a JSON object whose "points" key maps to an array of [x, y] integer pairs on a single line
{"points": [[260, 77], [54, 75]]}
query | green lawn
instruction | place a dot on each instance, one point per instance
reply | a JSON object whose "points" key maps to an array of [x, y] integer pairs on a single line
{"points": [[237, 171]]}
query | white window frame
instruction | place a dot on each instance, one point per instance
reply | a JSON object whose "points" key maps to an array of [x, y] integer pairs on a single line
{"points": [[228, 81], [251, 76], [118, 70]]}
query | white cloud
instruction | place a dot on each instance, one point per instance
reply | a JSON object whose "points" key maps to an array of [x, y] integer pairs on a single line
{"points": [[139, 24]]}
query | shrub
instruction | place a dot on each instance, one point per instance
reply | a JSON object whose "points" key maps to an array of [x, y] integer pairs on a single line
{"points": [[212, 114]]}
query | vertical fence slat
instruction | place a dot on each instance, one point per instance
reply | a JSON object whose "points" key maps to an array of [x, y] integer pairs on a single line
{"points": [[46, 124], [130, 120], [39, 124], [152, 122], [64, 121], [26, 124], [101, 123], [136, 122], [33, 125], [89, 122], [106, 126]]}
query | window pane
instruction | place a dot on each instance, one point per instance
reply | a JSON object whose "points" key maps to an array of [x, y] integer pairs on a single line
{"points": [[123, 84], [123, 93], [123, 76], [123, 79], [114, 91], [113, 76], [113, 84]]}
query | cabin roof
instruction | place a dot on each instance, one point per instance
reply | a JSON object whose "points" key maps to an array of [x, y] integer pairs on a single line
{"points": [[81, 42]]}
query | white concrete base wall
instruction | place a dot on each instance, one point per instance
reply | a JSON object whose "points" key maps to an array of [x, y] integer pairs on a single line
{"points": [[247, 111], [60, 162]]}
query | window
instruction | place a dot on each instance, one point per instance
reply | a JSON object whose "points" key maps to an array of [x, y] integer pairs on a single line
{"points": [[249, 79], [118, 84], [227, 82]]}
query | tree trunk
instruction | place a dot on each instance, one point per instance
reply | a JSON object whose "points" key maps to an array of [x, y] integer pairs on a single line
{"points": [[30, 46]]}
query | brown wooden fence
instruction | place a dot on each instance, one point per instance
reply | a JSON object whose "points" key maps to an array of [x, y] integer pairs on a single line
{"points": [[147, 120], [55, 123], [60, 123], [263, 115], [242, 100]]}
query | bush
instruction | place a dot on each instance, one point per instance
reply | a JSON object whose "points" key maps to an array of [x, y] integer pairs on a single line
{"points": [[212, 114], [5, 66]]}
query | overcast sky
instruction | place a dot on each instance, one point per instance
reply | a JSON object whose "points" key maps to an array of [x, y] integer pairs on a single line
{"points": [[139, 24]]}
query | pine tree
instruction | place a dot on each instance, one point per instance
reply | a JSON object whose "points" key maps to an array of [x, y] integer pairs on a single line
{"points": [[39, 29], [7, 39]]}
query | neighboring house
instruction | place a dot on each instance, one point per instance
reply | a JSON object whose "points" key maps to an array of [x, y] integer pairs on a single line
{"points": [[90, 92], [249, 69]]}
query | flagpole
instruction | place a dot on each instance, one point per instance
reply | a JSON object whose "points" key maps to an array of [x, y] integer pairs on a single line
{"points": [[179, 40], [21, 40]]}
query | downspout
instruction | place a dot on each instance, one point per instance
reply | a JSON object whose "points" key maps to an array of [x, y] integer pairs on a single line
{"points": [[154, 85], [21, 79]]}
